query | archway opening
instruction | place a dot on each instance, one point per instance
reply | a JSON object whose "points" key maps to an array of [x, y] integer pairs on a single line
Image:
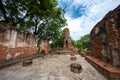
{"points": [[66, 43]]}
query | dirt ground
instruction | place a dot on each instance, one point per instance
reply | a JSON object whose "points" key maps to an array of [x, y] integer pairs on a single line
{"points": [[51, 67]]}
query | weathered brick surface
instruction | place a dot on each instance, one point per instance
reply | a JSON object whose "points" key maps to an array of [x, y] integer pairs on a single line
{"points": [[2, 38], [15, 43], [105, 45], [84, 53], [67, 41], [44, 46], [105, 38], [64, 51], [110, 72]]}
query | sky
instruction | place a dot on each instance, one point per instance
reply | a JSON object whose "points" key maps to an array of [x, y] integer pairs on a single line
{"points": [[83, 15]]}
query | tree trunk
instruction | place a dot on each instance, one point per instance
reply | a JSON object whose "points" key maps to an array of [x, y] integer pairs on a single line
{"points": [[35, 32]]}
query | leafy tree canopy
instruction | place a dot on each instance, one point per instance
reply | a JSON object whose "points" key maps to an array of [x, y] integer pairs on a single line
{"points": [[43, 16], [83, 43]]}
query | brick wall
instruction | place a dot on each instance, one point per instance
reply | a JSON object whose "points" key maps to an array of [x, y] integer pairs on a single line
{"points": [[105, 45], [110, 72], [105, 38], [15, 43]]}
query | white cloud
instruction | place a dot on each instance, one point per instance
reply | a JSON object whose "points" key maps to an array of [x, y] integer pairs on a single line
{"points": [[94, 12], [79, 26]]}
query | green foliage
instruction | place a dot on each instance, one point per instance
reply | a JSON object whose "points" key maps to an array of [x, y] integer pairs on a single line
{"points": [[51, 28], [83, 43], [58, 42], [43, 16], [74, 43], [85, 40]]}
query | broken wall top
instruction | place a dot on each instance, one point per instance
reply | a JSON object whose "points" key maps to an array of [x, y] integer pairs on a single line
{"points": [[4, 26], [111, 14]]}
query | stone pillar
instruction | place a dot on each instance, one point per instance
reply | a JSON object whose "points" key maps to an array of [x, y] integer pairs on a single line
{"points": [[8, 34], [13, 39]]}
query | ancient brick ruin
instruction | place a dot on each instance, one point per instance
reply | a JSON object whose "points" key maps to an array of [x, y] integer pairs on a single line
{"points": [[67, 41], [105, 45], [67, 44], [15, 43], [104, 52], [44, 46], [105, 38]]}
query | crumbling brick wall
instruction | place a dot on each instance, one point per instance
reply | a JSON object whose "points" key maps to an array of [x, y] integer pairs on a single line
{"points": [[44, 45], [105, 38], [15, 43]]}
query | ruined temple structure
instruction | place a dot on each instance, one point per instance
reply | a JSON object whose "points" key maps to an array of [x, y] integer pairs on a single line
{"points": [[105, 45], [68, 48], [44, 46], [15, 43], [67, 41]]}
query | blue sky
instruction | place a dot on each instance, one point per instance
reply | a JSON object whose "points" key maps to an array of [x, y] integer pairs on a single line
{"points": [[82, 15]]}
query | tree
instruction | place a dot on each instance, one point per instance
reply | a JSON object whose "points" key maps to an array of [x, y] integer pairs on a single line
{"points": [[74, 43], [85, 40], [79, 45], [41, 15], [51, 28], [83, 43], [58, 42]]}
